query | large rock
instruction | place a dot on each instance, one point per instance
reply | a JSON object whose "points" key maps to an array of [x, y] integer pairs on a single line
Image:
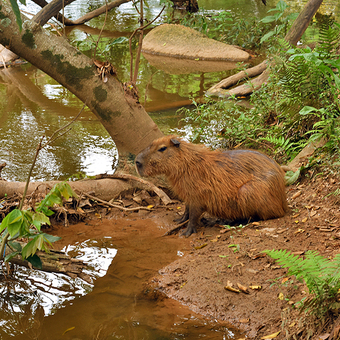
{"points": [[183, 42]]}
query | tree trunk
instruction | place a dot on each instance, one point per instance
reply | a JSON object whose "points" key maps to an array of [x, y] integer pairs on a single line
{"points": [[114, 104]]}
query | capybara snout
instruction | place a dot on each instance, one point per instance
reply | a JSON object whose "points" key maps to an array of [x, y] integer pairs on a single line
{"points": [[234, 184]]}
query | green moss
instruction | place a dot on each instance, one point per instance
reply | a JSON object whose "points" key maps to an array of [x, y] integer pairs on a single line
{"points": [[28, 39], [100, 94], [73, 75], [105, 114], [2, 15], [5, 22]]}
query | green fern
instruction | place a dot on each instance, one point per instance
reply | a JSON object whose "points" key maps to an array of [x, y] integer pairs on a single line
{"points": [[321, 275]]}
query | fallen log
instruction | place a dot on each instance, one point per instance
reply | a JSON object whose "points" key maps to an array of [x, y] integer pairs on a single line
{"points": [[105, 189]]}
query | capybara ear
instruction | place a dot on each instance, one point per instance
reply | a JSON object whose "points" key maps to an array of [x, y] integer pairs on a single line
{"points": [[175, 142]]}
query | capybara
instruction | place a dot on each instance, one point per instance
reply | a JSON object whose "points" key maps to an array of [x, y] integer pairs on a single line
{"points": [[233, 185]]}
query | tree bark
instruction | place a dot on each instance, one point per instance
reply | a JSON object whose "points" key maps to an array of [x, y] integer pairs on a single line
{"points": [[50, 10], [302, 21], [58, 16], [293, 36], [115, 105]]}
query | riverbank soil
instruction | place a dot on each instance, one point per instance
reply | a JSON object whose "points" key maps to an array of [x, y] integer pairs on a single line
{"points": [[217, 257], [230, 257]]}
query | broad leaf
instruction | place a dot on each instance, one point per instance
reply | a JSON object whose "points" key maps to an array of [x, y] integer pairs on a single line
{"points": [[50, 238], [15, 245], [35, 261], [37, 243], [11, 255], [14, 222]]}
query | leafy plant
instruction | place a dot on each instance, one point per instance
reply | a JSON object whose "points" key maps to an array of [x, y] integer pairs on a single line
{"points": [[26, 224], [279, 22], [226, 27], [321, 276]]}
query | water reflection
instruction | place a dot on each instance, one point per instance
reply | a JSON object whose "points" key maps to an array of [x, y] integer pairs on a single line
{"points": [[32, 295]]}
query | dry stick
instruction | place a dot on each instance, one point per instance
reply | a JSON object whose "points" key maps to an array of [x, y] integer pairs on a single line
{"points": [[178, 226], [94, 198], [159, 192], [101, 31], [140, 45]]}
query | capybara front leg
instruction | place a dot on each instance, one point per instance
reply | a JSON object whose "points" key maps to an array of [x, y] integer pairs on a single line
{"points": [[194, 217], [184, 217]]}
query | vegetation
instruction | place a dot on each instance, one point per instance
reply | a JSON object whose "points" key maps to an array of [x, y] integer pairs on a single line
{"points": [[299, 104], [22, 225], [321, 276]]}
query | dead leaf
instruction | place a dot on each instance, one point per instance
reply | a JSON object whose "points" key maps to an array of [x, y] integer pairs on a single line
{"points": [[68, 329], [281, 296], [242, 288], [216, 239], [244, 320], [296, 195], [313, 213], [231, 289], [201, 246], [224, 231], [323, 336], [104, 69], [296, 215], [256, 223], [271, 336], [255, 287], [299, 231]]}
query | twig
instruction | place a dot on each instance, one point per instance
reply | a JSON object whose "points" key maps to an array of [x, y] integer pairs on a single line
{"points": [[178, 226], [101, 31], [94, 198], [54, 137], [141, 28]]}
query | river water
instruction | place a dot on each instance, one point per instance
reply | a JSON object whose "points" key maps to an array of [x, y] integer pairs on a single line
{"points": [[41, 306]]}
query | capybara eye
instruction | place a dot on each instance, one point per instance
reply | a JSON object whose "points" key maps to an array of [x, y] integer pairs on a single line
{"points": [[163, 148]]}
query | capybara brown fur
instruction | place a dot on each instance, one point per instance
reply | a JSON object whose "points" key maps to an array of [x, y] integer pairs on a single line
{"points": [[233, 184]]}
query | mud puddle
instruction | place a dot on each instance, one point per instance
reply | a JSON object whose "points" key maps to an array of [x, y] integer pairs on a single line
{"points": [[125, 253]]}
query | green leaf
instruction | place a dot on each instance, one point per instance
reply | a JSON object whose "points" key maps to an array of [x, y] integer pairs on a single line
{"points": [[16, 11], [35, 261], [37, 243], [268, 19], [267, 36], [50, 238], [11, 255], [307, 110], [15, 245], [291, 177], [14, 222]]}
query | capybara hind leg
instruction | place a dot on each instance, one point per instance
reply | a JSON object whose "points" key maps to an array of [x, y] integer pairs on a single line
{"points": [[184, 217], [194, 217]]}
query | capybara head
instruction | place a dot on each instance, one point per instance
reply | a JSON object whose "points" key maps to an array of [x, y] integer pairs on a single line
{"points": [[157, 158]]}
